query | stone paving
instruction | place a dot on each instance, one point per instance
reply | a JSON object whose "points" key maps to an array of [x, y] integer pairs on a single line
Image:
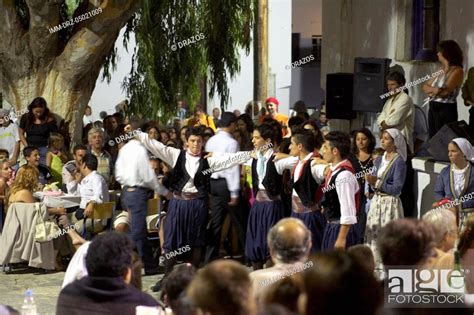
{"points": [[45, 288]]}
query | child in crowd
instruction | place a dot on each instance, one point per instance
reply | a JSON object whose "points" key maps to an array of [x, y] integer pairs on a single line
{"points": [[57, 156], [369, 193], [32, 156]]}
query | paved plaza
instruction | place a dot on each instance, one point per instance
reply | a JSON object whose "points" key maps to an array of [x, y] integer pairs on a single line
{"points": [[46, 288]]}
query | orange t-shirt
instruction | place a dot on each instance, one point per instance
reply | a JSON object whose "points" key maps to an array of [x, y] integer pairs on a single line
{"points": [[282, 119]]}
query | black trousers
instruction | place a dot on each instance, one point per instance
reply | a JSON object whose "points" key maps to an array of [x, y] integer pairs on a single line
{"points": [[218, 202], [441, 114]]}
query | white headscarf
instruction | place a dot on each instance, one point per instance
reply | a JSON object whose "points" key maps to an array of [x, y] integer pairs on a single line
{"points": [[466, 148], [400, 143]]}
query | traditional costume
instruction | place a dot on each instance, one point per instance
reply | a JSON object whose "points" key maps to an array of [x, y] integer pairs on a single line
{"points": [[453, 183], [306, 194], [386, 204]]}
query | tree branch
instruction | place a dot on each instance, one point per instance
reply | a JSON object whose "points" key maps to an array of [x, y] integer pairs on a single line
{"points": [[95, 38]]}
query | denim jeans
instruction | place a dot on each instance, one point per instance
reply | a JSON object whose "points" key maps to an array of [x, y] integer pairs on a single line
{"points": [[135, 201]]}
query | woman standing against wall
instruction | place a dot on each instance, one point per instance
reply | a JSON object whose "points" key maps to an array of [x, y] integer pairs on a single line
{"points": [[444, 89]]}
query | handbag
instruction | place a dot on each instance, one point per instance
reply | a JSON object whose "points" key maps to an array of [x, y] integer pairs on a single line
{"points": [[46, 230]]}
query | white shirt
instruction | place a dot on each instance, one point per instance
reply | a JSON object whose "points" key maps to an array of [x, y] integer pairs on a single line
{"points": [[399, 112], [133, 168], [281, 165], [77, 266], [383, 166], [346, 188], [170, 156], [92, 188], [459, 179], [87, 120], [223, 142], [9, 137]]}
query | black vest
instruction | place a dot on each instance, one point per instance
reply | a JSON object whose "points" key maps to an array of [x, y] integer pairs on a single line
{"points": [[179, 177], [306, 186], [273, 182], [332, 207]]}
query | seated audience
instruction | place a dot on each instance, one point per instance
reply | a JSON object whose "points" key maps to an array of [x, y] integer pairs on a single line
{"points": [[5, 175], [285, 292], [339, 284], [457, 180], [364, 254], [466, 253], [222, 287], [174, 289], [71, 168], [32, 156], [105, 168], [443, 223], [107, 288], [406, 242], [92, 187], [25, 184], [289, 242]]}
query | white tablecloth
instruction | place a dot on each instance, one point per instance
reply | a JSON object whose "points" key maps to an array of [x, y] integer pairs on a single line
{"points": [[66, 201]]}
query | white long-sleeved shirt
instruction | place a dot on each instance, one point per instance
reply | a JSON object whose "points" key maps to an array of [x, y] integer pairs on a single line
{"points": [[92, 188], [399, 112], [170, 156], [346, 188], [223, 142], [133, 168], [280, 165]]}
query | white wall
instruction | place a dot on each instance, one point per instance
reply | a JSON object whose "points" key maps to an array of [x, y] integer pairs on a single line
{"points": [[305, 80], [361, 28]]}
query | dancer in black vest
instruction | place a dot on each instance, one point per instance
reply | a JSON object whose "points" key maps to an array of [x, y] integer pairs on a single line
{"points": [[341, 195], [267, 209], [306, 193], [186, 221]]}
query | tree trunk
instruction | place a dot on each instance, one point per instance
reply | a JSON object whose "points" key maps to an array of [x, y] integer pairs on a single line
{"points": [[260, 64], [36, 62]]}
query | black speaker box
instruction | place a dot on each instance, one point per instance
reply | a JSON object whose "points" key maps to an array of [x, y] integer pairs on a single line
{"points": [[369, 83], [339, 87], [438, 145]]}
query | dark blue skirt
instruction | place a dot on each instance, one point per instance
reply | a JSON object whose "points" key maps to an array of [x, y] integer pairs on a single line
{"points": [[185, 224], [263, 215], [332, 231], [316, 223]]}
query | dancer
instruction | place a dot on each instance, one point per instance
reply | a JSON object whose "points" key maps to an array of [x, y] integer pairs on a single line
{"points": [[341, 192]]}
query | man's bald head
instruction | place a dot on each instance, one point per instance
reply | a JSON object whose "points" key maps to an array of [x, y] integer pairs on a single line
{"points": [[289, 241]]}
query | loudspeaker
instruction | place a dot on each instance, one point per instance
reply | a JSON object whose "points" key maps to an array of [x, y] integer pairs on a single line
{"points": [[438, 145], [369, 83], [339, 96]]}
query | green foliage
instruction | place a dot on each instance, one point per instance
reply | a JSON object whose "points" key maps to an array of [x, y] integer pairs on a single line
{"points": [[160, 74], [71, 6]]}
